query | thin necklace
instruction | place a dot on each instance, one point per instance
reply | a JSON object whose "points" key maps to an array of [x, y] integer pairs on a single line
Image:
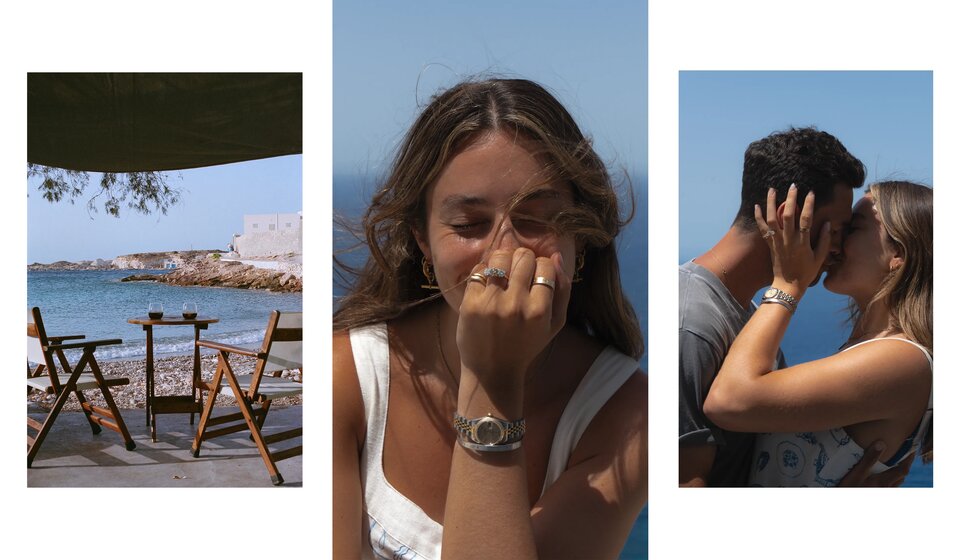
{"points": [[445, 362], [724, 273]]}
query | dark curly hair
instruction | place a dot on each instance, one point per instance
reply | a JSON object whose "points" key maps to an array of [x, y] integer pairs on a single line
{"points": [[813, 159]]}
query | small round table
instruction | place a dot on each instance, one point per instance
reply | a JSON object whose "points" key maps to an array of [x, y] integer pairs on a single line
{"points": [[171, 404]]}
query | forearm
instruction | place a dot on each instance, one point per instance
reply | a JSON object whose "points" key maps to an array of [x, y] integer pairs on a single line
{"points": [[487, 510], [752, 356]]}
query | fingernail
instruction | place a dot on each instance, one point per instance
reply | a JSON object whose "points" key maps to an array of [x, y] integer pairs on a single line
{"points": [[772, 190], [561, 263], [792, 186], [826, 227], [878, 446]]}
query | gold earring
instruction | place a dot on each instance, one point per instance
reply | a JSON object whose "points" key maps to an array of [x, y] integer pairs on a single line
{"points": [[430, 277], [579, 265]]}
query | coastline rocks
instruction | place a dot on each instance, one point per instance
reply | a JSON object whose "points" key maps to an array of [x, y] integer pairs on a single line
{"points": [[233, 274], [97, 264], [166, 259], [142, 278]]}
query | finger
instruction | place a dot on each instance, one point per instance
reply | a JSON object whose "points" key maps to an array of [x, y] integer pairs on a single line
{"points": [[900, 471], [476, 285], [498, 269], [521, 270], [788, 217], [859, 473], [563, 292], [760, 220], [806, 217], [772, 217], [542, 291]]}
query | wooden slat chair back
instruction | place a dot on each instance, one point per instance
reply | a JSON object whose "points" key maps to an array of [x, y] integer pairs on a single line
{"points": [[282, 349], [85, 375]]}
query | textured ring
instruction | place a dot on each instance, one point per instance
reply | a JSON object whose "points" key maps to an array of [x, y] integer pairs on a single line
{"points": [[477, 277], [769, 234], [542, 281], [804, 230], [493, 272]]}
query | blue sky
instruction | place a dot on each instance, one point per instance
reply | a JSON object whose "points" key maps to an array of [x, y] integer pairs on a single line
{"points": [[883, 118], [214, 201], [592, 55]]}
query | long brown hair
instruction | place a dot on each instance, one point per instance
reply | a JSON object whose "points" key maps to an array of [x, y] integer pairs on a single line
{"points": [[905, 212], [389, 282]]}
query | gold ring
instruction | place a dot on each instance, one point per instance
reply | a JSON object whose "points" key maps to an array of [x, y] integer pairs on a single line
{"points": [[477, 277], [769, 234], [804, 229], [542, 281]]}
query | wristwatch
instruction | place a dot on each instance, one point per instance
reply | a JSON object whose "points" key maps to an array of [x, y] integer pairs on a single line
{"points": [[488, 433], [775, 295]]}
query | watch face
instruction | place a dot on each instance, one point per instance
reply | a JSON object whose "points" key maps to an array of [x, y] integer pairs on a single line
{"points": [[771, 292], [488, 431]]}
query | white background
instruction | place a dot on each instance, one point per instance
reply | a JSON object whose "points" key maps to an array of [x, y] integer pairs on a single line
{"points": [[296, 36]]}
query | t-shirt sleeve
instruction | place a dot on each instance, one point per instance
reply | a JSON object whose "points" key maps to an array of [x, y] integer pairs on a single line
{"points": [[699, 364]]}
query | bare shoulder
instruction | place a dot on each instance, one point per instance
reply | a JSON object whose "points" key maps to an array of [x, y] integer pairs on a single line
{"points": [[619, 432], [897, 363], [348, 406]]}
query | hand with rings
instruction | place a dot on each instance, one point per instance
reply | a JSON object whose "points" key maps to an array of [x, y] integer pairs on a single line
{"points": [[794, 260], [514, 304]]}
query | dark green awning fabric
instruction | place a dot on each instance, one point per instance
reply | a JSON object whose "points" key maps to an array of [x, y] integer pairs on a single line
{"points": [[159, 122]]}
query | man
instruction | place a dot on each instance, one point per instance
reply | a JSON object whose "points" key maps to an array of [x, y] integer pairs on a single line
{"points": [[716, 292]]}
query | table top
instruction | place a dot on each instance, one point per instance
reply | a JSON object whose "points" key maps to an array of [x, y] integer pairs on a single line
{"points": [[172, 320]]}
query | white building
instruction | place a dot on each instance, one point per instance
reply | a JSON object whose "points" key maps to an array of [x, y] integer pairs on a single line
{"points": [[255, 223], [270, 235]]}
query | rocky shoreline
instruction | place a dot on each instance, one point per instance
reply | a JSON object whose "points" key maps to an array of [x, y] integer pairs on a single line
{"points": [[172, 376], [197, 268]]}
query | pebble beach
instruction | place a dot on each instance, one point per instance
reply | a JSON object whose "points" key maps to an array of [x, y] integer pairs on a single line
{"points": [[172, 376]]}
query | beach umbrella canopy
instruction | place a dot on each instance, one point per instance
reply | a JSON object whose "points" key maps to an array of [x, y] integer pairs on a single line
{"points": [[128, 122]]}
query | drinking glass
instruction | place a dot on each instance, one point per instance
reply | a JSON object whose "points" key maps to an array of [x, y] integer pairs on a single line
{"points": [[190, 311], [156, 311]]}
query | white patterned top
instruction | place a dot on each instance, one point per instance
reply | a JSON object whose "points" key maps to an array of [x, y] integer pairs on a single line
{"points": [[823, 458]]}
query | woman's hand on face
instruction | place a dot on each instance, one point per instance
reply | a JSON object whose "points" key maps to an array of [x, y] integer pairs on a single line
{"points": [[794, 261], [505, 323]]}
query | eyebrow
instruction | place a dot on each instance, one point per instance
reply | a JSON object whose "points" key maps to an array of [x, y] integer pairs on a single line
{"points": [[461, 201]]}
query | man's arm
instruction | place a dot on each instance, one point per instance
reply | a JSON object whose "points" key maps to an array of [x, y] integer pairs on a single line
{"points": [[698, 365], [694, 465]]}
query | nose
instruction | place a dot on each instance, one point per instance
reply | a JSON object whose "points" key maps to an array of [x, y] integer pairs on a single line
{"points": [[506, 238]]}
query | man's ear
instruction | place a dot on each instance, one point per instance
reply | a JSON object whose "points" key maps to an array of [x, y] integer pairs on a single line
{"points": [[421, 242], [779, 212]]}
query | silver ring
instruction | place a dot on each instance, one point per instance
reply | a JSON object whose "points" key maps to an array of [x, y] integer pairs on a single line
{"points": [[493, 272], [477, 277], [542, 281], [769, 234]]}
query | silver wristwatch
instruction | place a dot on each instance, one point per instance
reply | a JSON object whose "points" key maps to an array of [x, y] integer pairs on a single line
{"points": [[775, 295], [488, 433]]}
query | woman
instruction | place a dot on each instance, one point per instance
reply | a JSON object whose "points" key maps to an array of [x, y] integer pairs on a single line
{"points": [[496, 204], [824, 414]]}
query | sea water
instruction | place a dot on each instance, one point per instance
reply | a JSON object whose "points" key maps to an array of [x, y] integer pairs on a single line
{"points": [[350, 194], [97, 304]]}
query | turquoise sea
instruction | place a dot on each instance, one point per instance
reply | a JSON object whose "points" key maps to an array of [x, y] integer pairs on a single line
{"points": [[97, 304], [351, 194]]}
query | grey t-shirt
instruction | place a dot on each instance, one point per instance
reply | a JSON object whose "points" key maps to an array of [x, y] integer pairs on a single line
{"points": [[710, 319]]}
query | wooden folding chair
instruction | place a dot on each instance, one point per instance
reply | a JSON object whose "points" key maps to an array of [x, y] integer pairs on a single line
{"points": [[42, 350], [281, 349]]}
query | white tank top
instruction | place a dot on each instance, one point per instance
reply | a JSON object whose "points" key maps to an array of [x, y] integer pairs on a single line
{"points": [[823, 458], [394, 526]]}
